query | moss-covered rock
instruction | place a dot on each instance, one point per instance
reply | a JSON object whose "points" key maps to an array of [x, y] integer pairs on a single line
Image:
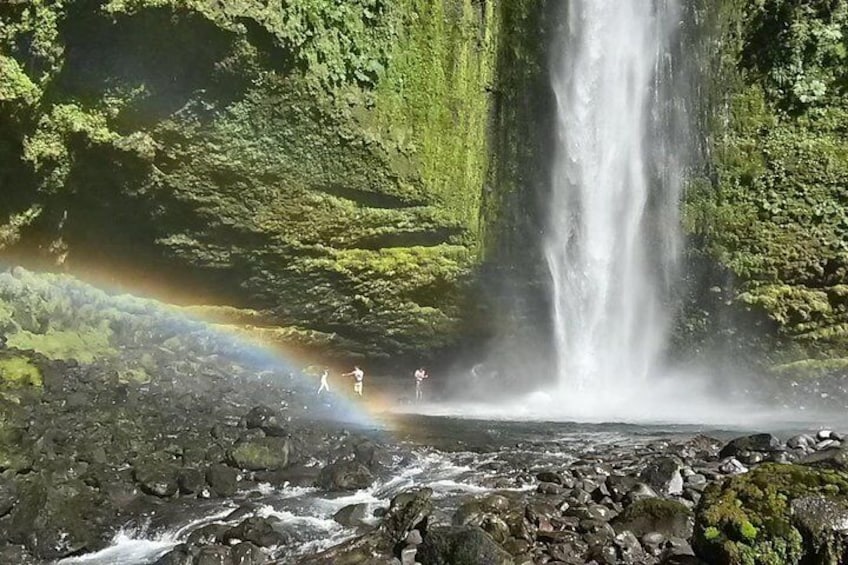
{"points": [[323, 163], [668, 517], [769, 214], [749, 519]]}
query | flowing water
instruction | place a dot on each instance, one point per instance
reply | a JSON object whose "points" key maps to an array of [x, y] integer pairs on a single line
{"points": [[613, 232]]}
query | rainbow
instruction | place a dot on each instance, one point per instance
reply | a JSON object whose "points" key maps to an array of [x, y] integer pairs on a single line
{"points": [[251, 346]]}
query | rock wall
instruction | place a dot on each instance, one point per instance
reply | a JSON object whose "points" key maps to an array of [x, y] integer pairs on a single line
{"points": [[766, 215], [324, 163]]}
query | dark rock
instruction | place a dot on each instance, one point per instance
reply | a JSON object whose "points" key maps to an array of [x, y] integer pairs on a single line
{"points": [[260, 531], [549, 488], [8, 496], [629, 548], [668, 517], [222, 480], [823, 522], [213, 555], [555, 478], [207, 535], [757, 442], [158, 479], [663, 474], [352, 515], [180, 555], [344, 475], [407, 511], [191, 481], [831, 458], [261, 454], [460, 545], [246, 553], [267, 420]]}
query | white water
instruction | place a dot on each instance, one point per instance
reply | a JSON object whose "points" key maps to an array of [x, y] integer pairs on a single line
{"points": [[613, 232]]}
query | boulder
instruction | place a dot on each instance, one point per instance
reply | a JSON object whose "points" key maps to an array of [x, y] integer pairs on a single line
{"points": [[267, 420], [245, 553], [158, 479], [264, 532], [222, 480], [667, 517], [830, 458], [180, 555], [757, 442], [823, 523], [663, 474], [461, 545], [407, 511], [344, 475], [213, 555], [352, 515], [261, 454]]}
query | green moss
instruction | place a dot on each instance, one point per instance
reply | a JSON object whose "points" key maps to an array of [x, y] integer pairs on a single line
{"points": [[84, 346], [747, 519], [16, 372], [771, 215]]}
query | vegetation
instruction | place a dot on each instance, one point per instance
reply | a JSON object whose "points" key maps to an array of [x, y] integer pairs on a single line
{"points": [[772, 216], [747, 520]]}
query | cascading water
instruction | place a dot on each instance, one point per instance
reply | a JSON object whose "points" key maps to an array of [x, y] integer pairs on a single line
{"points": [[612, 238]]}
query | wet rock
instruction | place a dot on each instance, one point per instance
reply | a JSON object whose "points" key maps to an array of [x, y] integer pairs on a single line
{"points": [[267, 420], [823, 523], [260, 531], [755, 442], [245, 553], [261, 454], [17, 555], [352, 515], [213, 555], [207, 535], [180, 555], [619, 485], [667, 517], [663, 474], [191, 481], [407, 511], [158, 479], [414, 538], [222, 480], [344, 475], [549, 488], [460, 545]]}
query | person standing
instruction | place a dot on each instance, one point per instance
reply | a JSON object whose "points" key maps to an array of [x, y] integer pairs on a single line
{"points": [[420, 375], [358, 377], [324, 385]]}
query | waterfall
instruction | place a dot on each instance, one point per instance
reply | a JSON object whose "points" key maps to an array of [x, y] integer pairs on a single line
{"points": [[612, 240]]}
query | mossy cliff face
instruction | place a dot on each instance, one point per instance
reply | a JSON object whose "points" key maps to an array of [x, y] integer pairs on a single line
{"points": [[322, 162], [770, 215]]}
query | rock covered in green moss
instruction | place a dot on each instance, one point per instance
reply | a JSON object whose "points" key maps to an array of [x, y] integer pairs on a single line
{"points": [[769, 216], [668, 517], [321, 163], [772, 515]]}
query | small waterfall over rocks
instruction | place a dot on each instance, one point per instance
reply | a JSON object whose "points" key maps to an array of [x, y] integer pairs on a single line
{"points": [[613, 237]]}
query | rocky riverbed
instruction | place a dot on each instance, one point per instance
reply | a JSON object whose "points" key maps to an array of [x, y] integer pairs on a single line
{"points": [[174, 444]]}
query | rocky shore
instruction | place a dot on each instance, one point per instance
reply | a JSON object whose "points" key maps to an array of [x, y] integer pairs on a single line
{"points": [[169, 420]]}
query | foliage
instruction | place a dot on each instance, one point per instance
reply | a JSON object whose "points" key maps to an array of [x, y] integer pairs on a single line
{"points": [[771, 211]]}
